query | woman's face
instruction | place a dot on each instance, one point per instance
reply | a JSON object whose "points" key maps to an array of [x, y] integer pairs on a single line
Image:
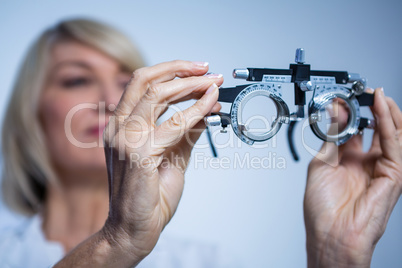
{"points": [[82, 89]]}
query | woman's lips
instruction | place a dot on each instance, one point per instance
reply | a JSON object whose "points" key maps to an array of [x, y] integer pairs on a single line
{"points": [[96, 131]]}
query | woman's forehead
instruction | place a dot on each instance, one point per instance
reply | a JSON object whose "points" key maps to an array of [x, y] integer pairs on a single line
{"points": [[73, 53]]}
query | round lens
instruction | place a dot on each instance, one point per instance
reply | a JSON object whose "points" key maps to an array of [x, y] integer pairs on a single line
{"points": [[258, 115], [333, 118]]}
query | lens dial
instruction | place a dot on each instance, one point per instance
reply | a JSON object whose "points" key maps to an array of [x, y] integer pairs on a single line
{"points": [[334, 114], [258, 112]]}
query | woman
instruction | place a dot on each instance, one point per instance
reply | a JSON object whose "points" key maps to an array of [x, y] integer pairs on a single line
{"points": [[74, 76], [54, 167]]}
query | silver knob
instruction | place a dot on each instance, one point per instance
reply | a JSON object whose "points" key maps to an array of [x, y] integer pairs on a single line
{"points": [[213, 120], [353, 77], [307, 86], [371, 124], [300, 56], [241, 73], [359, 87]]}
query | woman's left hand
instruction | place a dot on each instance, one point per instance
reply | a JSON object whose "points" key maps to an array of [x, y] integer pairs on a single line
{"points": [[146, 161]]}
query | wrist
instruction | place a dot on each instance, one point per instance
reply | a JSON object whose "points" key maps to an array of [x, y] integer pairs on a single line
{"points": [[103, 249], [332, 252], [122, 243]]}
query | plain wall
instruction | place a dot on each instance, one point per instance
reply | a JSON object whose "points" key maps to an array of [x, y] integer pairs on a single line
{"points": [[253, 213]]}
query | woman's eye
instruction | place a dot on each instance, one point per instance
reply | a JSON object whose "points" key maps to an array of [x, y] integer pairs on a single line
{"points": [[76, 82]]}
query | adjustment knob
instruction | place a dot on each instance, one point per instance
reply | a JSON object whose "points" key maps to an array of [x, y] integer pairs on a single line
{"points": [[300, 56], [241, 73], [359, 87], [353, 77], [212, 120]]}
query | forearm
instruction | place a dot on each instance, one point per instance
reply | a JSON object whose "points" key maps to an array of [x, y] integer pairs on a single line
{"points": [[103, 250]]}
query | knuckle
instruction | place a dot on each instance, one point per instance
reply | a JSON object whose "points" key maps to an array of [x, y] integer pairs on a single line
{"points": [[176, 120], [153, 93], [195, 115], [139, 75], [199, 107], [177, 63], [197, 110], [180, 66]]}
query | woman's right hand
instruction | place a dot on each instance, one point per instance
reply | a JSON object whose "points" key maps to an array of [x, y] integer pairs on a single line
{"points": [[350, 193], [146, 162]]}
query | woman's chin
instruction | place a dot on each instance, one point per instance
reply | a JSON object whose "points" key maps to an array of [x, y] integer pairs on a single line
{"points": [[84, 160]]}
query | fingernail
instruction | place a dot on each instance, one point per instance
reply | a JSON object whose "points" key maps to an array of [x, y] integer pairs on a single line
{"points": [[211, 88], [201, 63], [381, 90], [212, 75]]}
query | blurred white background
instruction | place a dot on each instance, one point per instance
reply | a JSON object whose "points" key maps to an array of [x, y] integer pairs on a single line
{"points": [[255, 214]]}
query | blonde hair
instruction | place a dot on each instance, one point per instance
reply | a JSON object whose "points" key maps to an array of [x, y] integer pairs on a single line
{"points": [[26, 166]]}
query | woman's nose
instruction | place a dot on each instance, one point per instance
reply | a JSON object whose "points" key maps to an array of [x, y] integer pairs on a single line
{"points": [[110, 94]]}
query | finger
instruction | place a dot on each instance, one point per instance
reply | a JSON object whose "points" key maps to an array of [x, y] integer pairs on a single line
{"points": [[197, 94], [387, 133], [340, 113], [146, 76], [353, 146], [395, 113], [329, 154], [172, 130], [160, 95], [385, 190], [183, 149], [181, 89], [190, 138], [195, 133], [396, 117], [217, 107], [375, 143]]}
